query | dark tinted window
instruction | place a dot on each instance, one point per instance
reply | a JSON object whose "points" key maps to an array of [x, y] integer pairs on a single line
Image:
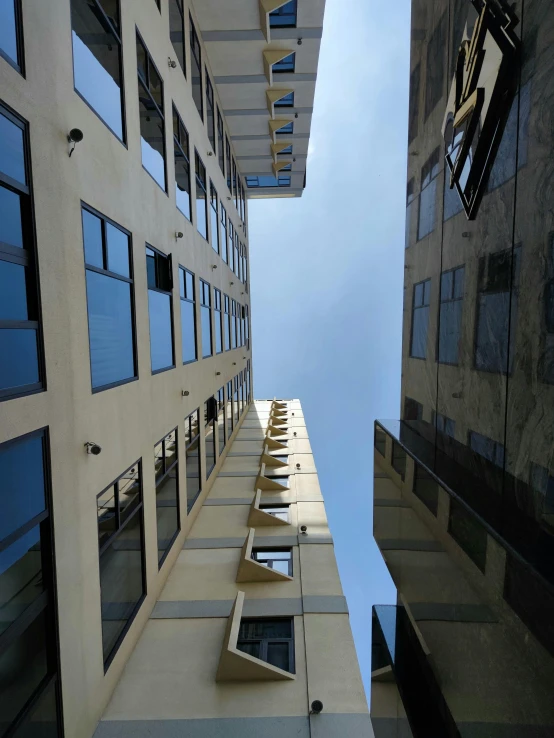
{"points": [[220, 144], [434, 81], [444, 425], [398, 459], [160, 284], [121, 547], [109, 301], [285, 65], [167, 493], [10, 33], [188, 315], [414, 103], [210, 417], [514, 142], [214, 218], [428, 196], [151, 112], [218, 321], [284, 16], [287, 101], [210, 109], [97, 59], [221, 410], [193, 468], [177, 31], [181, 152], [413, 410], [380, 441], [450, 315], [201, 197], [426, 488], [223, 236], [20, 367], [227, 322], [468, 533], [196, 69], [420, 319], [269, 640], [268, 180], [206, 318]]}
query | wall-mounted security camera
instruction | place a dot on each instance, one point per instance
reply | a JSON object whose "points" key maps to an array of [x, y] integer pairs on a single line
{"points": [[304, 530], [317, 707], [74, 137], [178, 234], [210, 153], [93, 448], [298, 466], [294, 434], [185, 393], [171, 63]]}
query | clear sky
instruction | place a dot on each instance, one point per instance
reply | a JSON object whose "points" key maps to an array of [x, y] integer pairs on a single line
{"points": [[326, 276]]}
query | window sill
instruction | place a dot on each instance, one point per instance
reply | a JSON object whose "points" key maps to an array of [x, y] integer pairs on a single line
{"points": [[237, 666]]}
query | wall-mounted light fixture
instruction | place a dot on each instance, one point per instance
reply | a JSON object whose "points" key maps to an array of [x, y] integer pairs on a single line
{"points": [[74, 137], [171, 63], [93, 448], [185, 393], [178, 235]]}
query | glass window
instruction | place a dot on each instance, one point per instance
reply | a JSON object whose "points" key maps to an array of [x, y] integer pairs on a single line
{"points": [[428, 196], [278, 511], [436, 65], [97, 68], [223, 238], [201, 197], [420, 319], [229, 409], [121, 548], [233, 324], [182, 165], [220, 145], [193, 467], [398, 459], [413, 410], [271, 641], [196, 69], [235, 194], [504, 166], [284, 65], [228, 161], [287, 150], [450, 315], [413, 115], [210, 109], [285, 130], [268, 180], [20, 368], [221, 425], [278, 559], [444, 425], [380, 441], [468, 533], [160, 309], [236, 259], [487, 448], [188, 315], [151, 113], [177, 31], [210, 419], [206, 318], [214, 218], [10, 33], [282, 479], [231, 234], [410, 196], [426, 489], [284, 17], [287, 101], [227, 322], [167, 493], [109, 301], [236, 408], [497, 303], [218, 320]]}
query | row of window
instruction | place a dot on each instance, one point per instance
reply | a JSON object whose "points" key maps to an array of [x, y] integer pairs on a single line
{"points": [[514, 144], [497, 304], [98, 79], [110, 302]]}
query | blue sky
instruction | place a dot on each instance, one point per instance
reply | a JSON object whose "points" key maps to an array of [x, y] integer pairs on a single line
{"points": [[326, 276]]}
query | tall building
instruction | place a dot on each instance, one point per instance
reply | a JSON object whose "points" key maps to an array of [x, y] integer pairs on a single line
{"points": [[464, 477], [155, 567]]}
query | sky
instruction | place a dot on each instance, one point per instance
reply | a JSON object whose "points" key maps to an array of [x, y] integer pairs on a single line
{"points": [[326, 281]]}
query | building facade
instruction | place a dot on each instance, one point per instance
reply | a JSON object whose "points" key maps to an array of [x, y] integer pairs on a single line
{"points": [[125, 347], [464, 480]]}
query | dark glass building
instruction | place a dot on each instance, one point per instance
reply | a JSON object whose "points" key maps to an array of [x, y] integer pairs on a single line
{"points": [[464, 479]]}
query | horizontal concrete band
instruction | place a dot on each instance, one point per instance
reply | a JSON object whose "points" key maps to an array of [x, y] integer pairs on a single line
{"points": [[270, 158], [248, 501], [326, 725], [264, 111], [239, 474], [258, 137], [403, 544], [241, 79], [384, 502], [456, 613], [254, 34], [266, 541], [275, 606]]}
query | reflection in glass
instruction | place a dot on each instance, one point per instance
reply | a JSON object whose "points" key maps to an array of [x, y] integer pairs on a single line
{"points": [[20, 576], [182, 165], [13, 292], [97, 62], [8, 30], [152, 141], [161, 336], [11, 229], [193, 468], [177, 31]]}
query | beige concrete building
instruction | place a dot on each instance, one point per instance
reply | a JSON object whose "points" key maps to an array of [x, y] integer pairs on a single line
{"points": [[144, 581]]}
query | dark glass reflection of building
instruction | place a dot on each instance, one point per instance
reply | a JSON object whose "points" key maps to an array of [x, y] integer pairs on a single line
{"points": [[464, 480]]}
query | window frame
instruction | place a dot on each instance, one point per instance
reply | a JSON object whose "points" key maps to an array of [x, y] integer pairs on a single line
{"points": [[130, 280], [105, 545], [218, 319], [268, 506], [432, 165], [210, 109], [223, 220], [209, 305], [265, 642], [284, 67], [220, 140], [194, 41], [176, 118], [256, 551], [203, 184], [192, 440], [181, 9], [211, 402], [278, 12], [192, 301], [214, 217], [26, 257], [424, 305], [451, 299], [169, 293], [161, 111], [159, 480], [19, 64], [221, 411]]}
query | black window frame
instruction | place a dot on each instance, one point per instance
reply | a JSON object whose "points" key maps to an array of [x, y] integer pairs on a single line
{"points": [[415, 307], [189, 442], [283, 66], [227, 343], [223, 246], [201, 181], [103, 547], [229, 409], [130, 280], [210, 421], [221, 420], [429, 174], [47, 601], [280, 12], [180, 9], [192, 300], [116, 32], [205, 289], [158, 479], [214, 218], [277, 507], [184, 148], [210, 109], [265, 642], [220, 141], [26, 257], [448, 300], [257, 555], [196, 58], [19, 63], [218, 320], [159, 255], [228, 162], [144, 85]]}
